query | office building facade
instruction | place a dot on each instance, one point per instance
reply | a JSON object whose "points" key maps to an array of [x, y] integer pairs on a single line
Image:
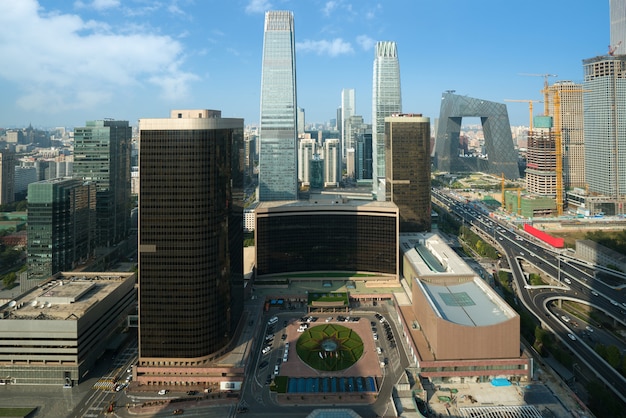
{"points": [[494, 117], [61, 225], [617, 11], [190, 239], [332, 163], [386, 101], [327, 235], [7, 177], [54, 333], [278, 174], [306, 150], [102, 151], [363, 155], [407, 182], [348, 109], [568, 97], [605, 129]]}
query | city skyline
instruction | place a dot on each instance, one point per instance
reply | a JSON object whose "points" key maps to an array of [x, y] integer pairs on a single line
{"points": [[70, 60]]}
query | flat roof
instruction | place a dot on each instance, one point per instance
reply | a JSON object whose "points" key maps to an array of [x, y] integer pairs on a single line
{"points": [[429, 254], [471, 303], [337, 201], [64, 296]]}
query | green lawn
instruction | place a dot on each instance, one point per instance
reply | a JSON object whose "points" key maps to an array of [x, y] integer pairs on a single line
{"points": [[310, 347], [16, 412]]}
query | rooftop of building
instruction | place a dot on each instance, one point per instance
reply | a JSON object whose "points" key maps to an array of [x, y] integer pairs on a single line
{"points": [[452, 287], [430, 254], [470, 303], [339, 200], [65, 296]]}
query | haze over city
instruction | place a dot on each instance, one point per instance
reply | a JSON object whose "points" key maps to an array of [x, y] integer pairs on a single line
{"points": [[68, 62]]}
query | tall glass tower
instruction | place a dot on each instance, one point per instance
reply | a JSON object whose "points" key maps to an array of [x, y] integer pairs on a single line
{"points": [[605, 128], [386, 101], [347, 111], [190, 237], [278, 173], [102, 155], [407, 151], [618, 27], [61, 214]]}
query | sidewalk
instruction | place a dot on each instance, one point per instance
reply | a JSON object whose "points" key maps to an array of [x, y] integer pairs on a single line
{"points": [[163, 405]]}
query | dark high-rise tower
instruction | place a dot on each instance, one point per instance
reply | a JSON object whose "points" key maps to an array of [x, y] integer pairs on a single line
{"points": [[102, 156], [190, 236], [7, 177], [278, 174], [407, 165]]}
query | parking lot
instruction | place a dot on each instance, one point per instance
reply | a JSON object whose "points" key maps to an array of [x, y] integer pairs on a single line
{"points": [[278, 355]]}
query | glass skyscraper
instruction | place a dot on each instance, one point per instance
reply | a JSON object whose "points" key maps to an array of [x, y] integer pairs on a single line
{"points": [[190, 237], [605, 126], [386, 101], [347, 111], [61, 214], [102, 155], [407, 151], [278, 173], [618, 27]]}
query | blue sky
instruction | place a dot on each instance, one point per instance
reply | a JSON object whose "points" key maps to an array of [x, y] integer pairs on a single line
{"points": [[66, 62]]}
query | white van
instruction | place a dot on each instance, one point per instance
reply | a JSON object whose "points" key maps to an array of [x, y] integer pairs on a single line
{"points": [[272, 320]]}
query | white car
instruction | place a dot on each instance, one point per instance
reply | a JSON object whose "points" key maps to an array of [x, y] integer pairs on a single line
{"points": [[572, 337], [379, 350], [163, 392], [330, 318], [266, 349], [565, 318]]}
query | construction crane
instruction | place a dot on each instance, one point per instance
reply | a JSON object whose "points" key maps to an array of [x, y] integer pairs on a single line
{"points": [[530, 109], [612, 48], [545, 89]]}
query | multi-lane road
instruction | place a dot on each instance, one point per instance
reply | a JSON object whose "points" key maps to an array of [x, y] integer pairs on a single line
{"points": [[573, 280]]}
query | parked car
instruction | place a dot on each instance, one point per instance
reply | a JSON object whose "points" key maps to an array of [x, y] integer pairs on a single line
{"points": [[163, 392]]}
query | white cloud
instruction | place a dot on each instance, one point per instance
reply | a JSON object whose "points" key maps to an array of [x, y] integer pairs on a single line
{"points": [[98, 4], [258, 6], [329, 7], [333, 47], [63, 62], [365, 42]]}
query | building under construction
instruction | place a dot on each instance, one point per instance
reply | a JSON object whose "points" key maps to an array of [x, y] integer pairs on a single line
{"points": [[566, 106], [541, 169]]}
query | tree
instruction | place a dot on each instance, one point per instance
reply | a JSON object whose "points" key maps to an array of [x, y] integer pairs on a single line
{"points": [[9, 279], [613, 356]]}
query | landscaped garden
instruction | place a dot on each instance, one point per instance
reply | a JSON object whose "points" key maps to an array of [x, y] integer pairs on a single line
{"points": [[329, 347]]}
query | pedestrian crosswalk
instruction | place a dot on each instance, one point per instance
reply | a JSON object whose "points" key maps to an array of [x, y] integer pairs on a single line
{"points": [[104, 384]]}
